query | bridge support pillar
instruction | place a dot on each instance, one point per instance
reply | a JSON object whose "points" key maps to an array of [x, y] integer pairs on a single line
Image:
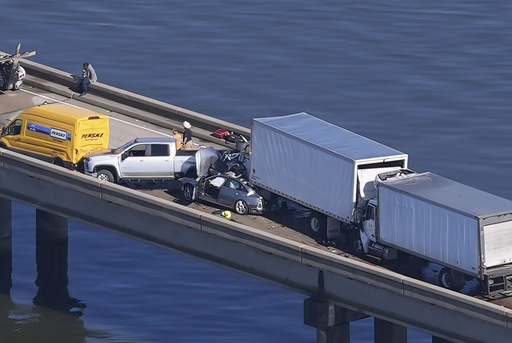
{"points": [[52, 261], [5, 246], [51, 226], [332, 322], [387, 332], [5, 218]]}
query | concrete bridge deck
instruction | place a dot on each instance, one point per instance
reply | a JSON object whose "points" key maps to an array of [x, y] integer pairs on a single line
{"points": [[255, 246]]}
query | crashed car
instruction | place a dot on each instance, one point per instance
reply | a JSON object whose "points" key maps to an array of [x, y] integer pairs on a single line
{"points": [[224, 190], [218, 184]]}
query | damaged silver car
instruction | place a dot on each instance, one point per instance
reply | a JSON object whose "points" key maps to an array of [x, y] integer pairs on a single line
{"points": [[224, 189]]}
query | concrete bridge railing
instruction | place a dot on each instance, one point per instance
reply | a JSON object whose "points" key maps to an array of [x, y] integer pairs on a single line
{"points": [[357, 286]]}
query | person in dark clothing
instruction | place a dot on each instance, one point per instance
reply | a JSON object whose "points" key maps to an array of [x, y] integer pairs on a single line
{"points": [[88, 76], [187, 136]]}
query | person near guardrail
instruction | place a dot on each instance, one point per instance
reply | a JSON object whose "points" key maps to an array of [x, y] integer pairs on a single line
{"points": [[187, 136], [88, 76]]}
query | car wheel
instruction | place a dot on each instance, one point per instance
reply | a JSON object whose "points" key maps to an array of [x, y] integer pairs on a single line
{"points": [[188, 192], [105, 175], [241, 207]]}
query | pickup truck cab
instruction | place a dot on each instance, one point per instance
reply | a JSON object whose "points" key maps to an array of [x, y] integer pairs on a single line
{"points": [[150, 158]]}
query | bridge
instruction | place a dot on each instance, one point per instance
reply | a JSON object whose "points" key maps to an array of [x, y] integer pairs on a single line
{"points": [[339, 287]]}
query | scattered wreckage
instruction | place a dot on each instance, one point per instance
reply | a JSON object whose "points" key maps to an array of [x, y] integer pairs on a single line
{"points": [[11, 71]]}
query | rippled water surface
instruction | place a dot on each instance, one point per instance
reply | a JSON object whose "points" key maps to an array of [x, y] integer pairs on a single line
{"points": [[432, 79]]}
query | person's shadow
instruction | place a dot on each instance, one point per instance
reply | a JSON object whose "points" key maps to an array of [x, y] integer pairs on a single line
{"points": [[76, 85]]}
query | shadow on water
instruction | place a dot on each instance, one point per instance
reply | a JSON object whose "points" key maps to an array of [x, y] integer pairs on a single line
{"points": [[55, 314]]}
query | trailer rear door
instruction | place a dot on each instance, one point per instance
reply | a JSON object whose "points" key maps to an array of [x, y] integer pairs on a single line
{"points": [[497, 244]]}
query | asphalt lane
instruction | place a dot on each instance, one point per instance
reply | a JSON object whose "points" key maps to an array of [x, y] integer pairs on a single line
{"points": [[122, 127]]}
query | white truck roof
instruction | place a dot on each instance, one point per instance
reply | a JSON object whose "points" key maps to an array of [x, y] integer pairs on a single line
{"points": [[330, 137]]}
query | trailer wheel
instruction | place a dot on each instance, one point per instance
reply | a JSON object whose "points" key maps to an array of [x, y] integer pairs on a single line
{"points": [[451, 279], [318, 225]]}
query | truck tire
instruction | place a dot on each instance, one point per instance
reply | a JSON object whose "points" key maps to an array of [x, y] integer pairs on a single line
{"points": [[241, 207], [105, 175], [451, 279], [318, 225], [188, 192]]}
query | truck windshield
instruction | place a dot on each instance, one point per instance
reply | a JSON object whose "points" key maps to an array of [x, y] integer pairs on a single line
{"points": [[123, 147]]}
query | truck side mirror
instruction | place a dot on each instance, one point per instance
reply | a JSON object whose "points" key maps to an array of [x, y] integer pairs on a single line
{"points": [[124, 155]]}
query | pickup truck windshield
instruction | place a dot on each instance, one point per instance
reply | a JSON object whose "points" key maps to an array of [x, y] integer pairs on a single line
{"points": [[123, 147]]}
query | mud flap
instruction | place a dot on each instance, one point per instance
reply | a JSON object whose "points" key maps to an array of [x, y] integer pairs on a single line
{"points": [[333, 228]]}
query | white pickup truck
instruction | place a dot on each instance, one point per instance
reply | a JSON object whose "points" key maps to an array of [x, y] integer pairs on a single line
{"points": [[142, 159]]}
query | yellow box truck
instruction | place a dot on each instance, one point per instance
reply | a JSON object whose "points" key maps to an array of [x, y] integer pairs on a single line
{"points": [[57, 133]]}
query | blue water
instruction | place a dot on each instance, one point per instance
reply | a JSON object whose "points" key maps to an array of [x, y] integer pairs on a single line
{"points": [[432, 79]]}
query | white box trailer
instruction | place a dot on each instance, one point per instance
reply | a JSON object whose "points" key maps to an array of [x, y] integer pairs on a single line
{"points": [[446, 222], [316, 163]]}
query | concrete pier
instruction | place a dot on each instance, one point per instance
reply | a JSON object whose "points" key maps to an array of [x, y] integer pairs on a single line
{"points": [[50, 226], [331, 321], [52, 262], [5, 246], [387, 332], [5, 218], [439, 340]]}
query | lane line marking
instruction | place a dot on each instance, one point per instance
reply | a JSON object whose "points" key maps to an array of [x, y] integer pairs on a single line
{"points": [[72, 105]]}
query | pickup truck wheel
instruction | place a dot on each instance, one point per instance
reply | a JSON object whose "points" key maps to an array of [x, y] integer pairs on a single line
{"points": [[188, 192], [105, 175], [451, 279], [241, 207]]}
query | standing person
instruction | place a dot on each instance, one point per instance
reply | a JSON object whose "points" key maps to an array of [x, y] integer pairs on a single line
{"points": [[179, 138], [187, 136], [88, 76]]}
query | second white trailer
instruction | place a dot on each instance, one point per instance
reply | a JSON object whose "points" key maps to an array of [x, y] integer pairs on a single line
{"points": [[449, 223]]}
